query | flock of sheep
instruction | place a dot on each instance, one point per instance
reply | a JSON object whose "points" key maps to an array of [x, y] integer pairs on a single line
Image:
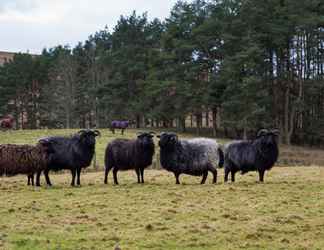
{"points": [[194, 157]]}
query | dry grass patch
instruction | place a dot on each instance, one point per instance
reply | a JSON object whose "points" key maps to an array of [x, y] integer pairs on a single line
{"points": [[286, 212]]}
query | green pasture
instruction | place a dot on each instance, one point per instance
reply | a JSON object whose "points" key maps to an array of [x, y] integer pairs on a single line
{"points": [[286, 212]]}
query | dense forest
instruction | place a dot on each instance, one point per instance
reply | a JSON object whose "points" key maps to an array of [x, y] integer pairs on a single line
{"points": [[237, 65]]}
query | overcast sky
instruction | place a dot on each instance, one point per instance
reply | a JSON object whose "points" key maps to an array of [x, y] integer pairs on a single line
{"points": [[31, 25]]}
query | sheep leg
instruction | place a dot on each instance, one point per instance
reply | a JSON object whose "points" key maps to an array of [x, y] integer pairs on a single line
{"points": [[122, 131], [214, 172], [32, 179], [205, 174], [107, 169], [78, 176], [73, 172], [177, 178], [29, 179], [142, 174], [233, 175], [115, 175], [38, 178], [48, 181], [261, 175], [226, 172], [138, 175]]}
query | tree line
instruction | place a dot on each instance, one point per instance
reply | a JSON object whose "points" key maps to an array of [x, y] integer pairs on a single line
{"points": [[240, 64]]}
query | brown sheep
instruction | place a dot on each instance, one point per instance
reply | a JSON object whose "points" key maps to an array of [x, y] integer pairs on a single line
{"points": [[23, 159]]}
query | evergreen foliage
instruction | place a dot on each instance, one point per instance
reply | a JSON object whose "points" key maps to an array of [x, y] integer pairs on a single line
{"points": [[250, 64]]}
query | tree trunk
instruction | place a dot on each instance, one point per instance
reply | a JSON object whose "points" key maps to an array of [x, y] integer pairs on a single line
{"points": [[286, 117], [207, 118], [289, 118], [214, 111], [198, 123], [181, 124], [138, 121]]}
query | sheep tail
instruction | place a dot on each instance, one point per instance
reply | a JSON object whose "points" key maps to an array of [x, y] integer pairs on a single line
{"points": [[221, 157]]}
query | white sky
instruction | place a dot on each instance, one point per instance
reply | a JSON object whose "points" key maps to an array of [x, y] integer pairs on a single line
{"points": [[31, 25]]}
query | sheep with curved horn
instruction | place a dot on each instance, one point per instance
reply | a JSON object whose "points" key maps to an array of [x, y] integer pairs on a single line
{"points": [[259, 154], [73, 153], [194, 157], [126, 154]]}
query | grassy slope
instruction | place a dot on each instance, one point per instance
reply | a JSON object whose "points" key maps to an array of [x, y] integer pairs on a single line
{"points": [[284, 213]]}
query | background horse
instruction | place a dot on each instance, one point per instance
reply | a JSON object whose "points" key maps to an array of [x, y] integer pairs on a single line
{"points": [[119, 125]]}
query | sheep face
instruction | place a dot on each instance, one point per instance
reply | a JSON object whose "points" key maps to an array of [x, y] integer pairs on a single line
{"points": [[268, 137], [168, 139], [88, 137], [145, 139]]}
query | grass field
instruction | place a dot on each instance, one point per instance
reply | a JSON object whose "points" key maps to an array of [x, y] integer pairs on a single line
{"points": [[286, 212]]}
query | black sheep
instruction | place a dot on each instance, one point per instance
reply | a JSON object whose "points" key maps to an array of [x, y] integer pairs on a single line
{"points": [[126, 154], [193, 157], [74, 153], [252, 155]]}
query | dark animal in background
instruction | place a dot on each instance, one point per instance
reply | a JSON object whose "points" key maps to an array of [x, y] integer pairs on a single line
{"points": [[119, 125], [7, 122], [252, 155], [24, 159], [30, 180], [126, 154], [193, 157], [73, 153]]}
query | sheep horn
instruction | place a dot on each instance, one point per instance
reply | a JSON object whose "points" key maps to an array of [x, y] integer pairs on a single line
{"points": [[82, 131], [97, 132], [275, 131], [262, 132], [159, 136], [152, 133]]}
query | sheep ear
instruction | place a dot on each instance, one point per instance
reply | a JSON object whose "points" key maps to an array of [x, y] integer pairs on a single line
{"points": [[44, 141], [158, 136], [262, 132]]}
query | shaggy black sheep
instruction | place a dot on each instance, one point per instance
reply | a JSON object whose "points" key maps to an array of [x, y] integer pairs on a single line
{"points": [[126, 154], [193, 157], [24, 159], [73, 153], [252, 155]]}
